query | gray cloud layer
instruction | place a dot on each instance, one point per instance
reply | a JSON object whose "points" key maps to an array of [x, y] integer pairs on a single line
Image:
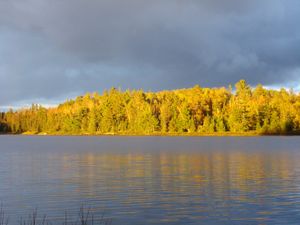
{"points": [[51, 49]]}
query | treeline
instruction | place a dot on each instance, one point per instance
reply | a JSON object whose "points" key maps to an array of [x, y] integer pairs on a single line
{"points": [[196, 110]]}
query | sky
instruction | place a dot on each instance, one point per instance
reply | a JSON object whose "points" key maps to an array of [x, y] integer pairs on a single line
{"points": [[51, 50]]}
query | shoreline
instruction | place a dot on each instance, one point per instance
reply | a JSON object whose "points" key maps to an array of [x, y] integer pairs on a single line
{"points": [[250, 134]]}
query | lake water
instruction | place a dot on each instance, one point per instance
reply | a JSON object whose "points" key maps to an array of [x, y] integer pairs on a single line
{"points": [[153, 180]]}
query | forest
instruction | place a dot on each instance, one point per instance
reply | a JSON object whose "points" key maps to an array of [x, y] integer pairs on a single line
{"points": [[193, 111]]}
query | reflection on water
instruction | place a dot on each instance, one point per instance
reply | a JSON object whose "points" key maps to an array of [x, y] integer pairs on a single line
{"points": [[201, 181]]}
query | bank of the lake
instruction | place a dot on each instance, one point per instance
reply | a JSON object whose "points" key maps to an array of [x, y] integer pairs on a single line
{"points": [[194, 134], [192, 111]]}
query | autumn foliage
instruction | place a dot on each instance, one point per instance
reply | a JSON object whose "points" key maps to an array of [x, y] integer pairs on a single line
{"points": [[194, 111]]}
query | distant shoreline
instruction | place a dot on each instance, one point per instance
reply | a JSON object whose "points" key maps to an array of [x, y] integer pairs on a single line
{"points": [[227, 134], [193, 111]]}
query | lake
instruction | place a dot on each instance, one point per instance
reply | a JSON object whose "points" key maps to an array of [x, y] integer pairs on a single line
{"points": [[153, 180]]}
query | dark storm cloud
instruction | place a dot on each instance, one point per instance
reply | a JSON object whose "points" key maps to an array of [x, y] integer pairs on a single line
{"points": [[59, 48]]}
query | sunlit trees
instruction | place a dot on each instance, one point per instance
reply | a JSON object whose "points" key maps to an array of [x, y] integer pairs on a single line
{"points": [[195, 110], [239, 109]]}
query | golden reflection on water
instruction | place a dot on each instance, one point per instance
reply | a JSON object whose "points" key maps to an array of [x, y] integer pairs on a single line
{"points": [[219, 174], [170, 187], [214, 180]]}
